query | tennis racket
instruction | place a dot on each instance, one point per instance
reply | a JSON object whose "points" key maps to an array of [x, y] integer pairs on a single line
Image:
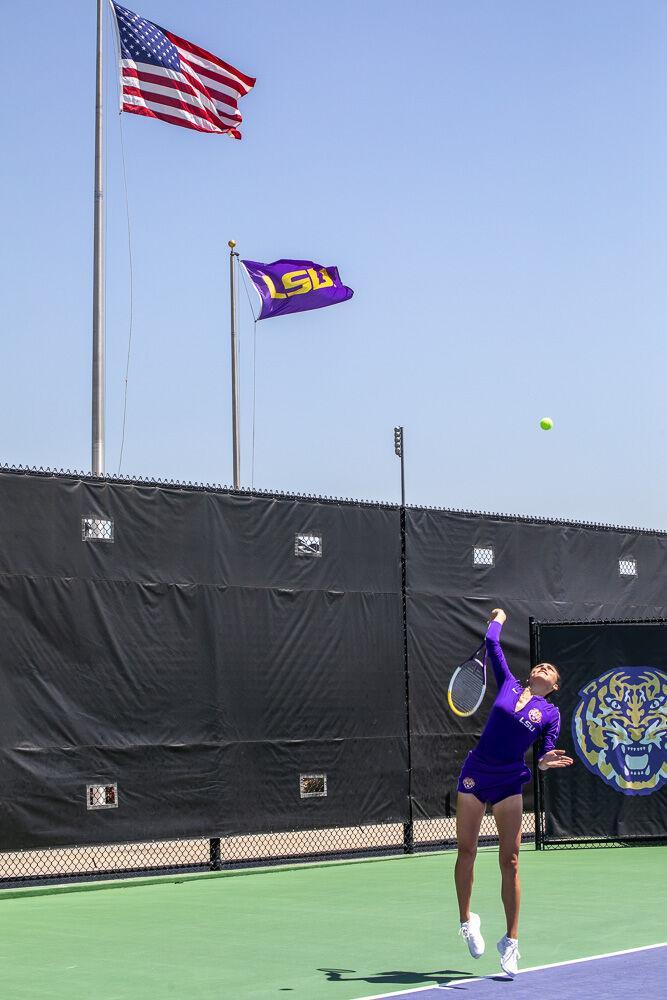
{"points": [[468, 684]]}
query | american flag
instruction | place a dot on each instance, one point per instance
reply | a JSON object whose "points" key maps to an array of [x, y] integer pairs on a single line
{"points": [[166, 77]]}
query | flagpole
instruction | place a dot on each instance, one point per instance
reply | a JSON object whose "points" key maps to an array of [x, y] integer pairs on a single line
{"points": [[98, 271], [235, 375]]}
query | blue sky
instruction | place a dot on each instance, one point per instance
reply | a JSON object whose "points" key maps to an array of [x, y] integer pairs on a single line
{"points": [[489, 178]]}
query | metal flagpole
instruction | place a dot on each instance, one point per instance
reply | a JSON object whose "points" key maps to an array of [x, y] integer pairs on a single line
{"points": [[235, 375], [98, 270]]}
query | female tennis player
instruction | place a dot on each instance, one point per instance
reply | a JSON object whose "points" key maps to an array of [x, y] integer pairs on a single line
{"points": [[495, 772]]}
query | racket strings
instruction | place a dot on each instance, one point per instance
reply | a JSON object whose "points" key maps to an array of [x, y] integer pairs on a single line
{"points": [[467, 686]]}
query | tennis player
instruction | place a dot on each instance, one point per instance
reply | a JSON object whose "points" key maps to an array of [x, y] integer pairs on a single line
{"points": [[495, 772]]}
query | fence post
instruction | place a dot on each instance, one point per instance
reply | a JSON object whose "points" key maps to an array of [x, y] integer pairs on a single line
{"points": [[537, 785], [215, 857]]}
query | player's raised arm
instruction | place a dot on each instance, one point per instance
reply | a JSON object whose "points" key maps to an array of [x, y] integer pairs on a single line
{"points": [[493, 648]]}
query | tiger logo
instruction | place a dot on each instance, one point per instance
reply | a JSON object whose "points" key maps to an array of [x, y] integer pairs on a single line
{"points": [[535, 715], [619, 729], [468, 782]]}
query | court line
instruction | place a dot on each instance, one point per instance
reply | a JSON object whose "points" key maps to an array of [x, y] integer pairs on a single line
{"points": [[533, 968]]}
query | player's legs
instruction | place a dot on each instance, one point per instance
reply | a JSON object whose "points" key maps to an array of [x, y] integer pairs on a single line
{"points": [[469, 815], [508, 815]]}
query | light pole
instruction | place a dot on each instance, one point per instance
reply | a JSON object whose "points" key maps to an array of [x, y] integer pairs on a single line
{"points": [[398, 448], [408, 828]]}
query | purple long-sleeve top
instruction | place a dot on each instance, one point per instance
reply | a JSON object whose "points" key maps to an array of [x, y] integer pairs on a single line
{"points": [[508, 734]]}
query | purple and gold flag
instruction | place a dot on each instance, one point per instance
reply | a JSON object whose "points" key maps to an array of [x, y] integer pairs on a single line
{"points": [[290, 286]]}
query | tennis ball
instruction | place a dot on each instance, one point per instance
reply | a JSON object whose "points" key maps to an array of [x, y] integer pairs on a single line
{"points": [[546, 423]]}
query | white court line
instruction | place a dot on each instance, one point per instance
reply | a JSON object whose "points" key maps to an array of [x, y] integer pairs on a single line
{"points": [[534, 968]]}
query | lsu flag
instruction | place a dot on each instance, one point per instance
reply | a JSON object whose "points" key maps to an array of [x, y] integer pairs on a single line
{"points": [[291, 286]]}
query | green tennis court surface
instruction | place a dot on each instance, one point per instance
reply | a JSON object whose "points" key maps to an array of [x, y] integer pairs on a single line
{"points": [[336, 931]]}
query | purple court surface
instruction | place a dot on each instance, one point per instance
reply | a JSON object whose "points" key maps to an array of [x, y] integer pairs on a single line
{"points": [[640, 973]]}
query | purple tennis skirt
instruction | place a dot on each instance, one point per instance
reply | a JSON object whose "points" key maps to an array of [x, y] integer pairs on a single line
{"points": [[491, 782]]}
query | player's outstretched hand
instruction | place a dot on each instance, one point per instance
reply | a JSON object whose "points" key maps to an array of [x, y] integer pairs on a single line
{"points": [[555, 758], [498, 615]]}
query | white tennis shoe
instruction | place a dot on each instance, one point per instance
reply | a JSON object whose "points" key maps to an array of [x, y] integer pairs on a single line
{"points": [[471, 932], [509, 955]]}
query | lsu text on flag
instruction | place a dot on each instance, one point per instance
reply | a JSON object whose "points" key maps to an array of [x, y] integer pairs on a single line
{"points": [[166, 77], [290, 286]]}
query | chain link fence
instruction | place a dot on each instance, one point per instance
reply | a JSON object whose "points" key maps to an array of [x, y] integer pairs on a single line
{"points": [[107, 861]]}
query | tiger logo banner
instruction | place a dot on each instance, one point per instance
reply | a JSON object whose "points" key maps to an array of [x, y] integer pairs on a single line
{"points": [[619, 729], [292, 286]]}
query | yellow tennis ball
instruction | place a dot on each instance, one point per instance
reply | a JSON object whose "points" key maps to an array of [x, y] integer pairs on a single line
{"points": [[546, 423]]}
